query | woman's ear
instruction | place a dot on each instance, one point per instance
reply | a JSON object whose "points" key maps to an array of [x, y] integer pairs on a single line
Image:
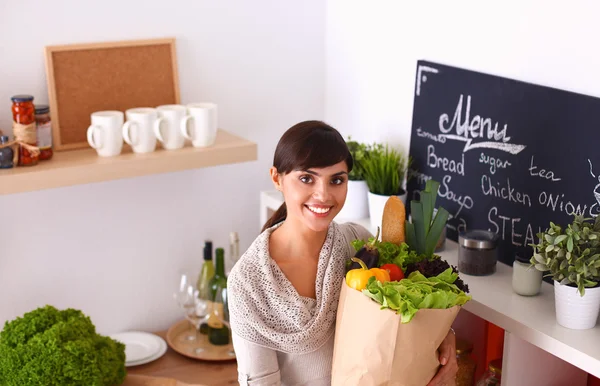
{"points": [[276, 178]]}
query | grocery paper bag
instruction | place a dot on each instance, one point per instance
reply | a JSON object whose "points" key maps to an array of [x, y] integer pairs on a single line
{"points": [[373, 348]]}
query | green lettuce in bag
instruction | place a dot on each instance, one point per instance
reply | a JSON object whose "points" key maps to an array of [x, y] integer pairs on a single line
{"points": [[416, 292]]}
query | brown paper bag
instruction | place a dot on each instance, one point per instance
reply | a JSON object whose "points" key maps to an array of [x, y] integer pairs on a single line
{"points": [[372, 347]]}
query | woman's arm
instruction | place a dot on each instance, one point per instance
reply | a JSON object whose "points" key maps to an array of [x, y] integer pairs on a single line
{"points": [[257, 365]]}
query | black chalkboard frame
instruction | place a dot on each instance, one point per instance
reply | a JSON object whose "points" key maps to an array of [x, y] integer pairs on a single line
{"points": [[510, 155]]}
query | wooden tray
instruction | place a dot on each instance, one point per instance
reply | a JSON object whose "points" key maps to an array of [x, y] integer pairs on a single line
{"points": [[176, 340]]}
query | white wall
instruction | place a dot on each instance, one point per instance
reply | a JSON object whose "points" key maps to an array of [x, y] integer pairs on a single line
{"points": [[113, 249], [372, 49]]}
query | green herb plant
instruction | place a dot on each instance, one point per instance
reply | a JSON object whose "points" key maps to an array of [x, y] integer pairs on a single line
{"points": [[424, 230], [359, 152], [571, 254], [50, 347], [384, 170]]}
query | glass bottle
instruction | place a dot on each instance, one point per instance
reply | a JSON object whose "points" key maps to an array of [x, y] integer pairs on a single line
{"points": [[466, 364], [43, 131], [234, 248], [492, 376], [24, 128], [218, 333], [206, 274], [6, 154]]}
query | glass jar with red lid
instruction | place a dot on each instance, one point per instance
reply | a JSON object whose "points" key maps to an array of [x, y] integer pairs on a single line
{"points": [[24, 127]]}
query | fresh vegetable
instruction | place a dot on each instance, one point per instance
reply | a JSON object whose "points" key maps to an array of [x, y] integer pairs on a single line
{"points": [[395, 272], [401, 255], [435, 267], [416, 292], [368, 253], [358, 278], [58, 348], [392, 223], [423, 233]]}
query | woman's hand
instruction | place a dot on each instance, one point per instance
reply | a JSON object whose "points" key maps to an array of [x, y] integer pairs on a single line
{"points": [[446, 375]]}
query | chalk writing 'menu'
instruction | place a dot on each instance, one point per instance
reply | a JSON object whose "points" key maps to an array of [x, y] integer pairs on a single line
{"points": [[477, 127]]}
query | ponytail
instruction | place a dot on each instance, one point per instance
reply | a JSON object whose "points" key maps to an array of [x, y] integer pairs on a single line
{"points": [[276, 218]]}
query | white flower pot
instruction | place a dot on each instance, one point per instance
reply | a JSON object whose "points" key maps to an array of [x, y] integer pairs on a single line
{"points": [[356, 205], [575, 311], [376, 205]]}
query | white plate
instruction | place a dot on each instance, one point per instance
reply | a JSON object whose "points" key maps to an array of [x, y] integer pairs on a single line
{"points": [[140, 346], [160, 353]]}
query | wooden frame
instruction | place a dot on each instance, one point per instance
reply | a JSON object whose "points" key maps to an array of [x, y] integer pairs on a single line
{"points": [[83, 78]]}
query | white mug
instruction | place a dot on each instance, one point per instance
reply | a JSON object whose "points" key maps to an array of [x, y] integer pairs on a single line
{"points": [[105, 133], [170, 131], [139, 129], [203, 123]]}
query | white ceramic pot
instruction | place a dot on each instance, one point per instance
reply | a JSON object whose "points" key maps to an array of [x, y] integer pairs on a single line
{"points": [[376, 204], [575, 311], [356, 205]]}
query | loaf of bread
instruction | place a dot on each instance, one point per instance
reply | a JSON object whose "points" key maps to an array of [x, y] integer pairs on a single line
{"points": [[392, 223]]}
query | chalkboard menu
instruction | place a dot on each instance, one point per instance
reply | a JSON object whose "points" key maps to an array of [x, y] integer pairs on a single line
{"points": [[510, 156]]}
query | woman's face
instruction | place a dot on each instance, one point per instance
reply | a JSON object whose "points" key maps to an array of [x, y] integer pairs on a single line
{"points": [[315, 196]]}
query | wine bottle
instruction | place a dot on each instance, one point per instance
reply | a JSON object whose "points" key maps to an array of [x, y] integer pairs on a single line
{"points": [[206, 274], [218, 333]]}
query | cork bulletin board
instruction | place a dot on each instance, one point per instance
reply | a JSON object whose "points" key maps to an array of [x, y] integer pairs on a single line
{"points": [[84, 78]]}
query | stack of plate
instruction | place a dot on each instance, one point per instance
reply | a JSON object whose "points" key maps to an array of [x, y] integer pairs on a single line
{"points": [[141, 347]]}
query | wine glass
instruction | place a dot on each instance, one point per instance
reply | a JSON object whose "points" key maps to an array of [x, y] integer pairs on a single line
{"points": [[222, 313], [185, 300]]}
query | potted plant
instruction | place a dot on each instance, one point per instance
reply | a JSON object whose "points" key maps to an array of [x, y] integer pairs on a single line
{"points": [[356, 205], [572, 258], [384, 170]]}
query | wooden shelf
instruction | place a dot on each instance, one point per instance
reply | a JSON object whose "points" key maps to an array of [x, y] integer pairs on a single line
{"points": [[78, 167]]}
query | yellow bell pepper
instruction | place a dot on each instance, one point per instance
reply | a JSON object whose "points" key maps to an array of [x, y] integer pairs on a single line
{"points": [[358, 278]]}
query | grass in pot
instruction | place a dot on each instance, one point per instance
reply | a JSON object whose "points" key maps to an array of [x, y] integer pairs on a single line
{"points": [[571, 256], [384, 171]]}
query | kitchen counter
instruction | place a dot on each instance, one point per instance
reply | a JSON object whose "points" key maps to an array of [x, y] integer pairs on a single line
{"points": [[173, 365]]}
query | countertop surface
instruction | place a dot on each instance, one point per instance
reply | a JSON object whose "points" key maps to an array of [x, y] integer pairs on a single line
{"points": [[174, 366]]}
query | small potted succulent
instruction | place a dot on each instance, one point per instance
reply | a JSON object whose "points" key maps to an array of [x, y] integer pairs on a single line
{"points": [[385, 171], [571, 255]]}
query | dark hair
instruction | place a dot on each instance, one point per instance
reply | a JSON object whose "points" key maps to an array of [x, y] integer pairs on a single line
{"points": [[308, 144]]}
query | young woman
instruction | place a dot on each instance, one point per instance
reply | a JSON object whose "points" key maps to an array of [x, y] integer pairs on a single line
{"points": [[284, 290]]}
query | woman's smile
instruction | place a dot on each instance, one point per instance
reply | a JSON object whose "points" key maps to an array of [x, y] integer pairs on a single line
{"points": [[319, 210]]}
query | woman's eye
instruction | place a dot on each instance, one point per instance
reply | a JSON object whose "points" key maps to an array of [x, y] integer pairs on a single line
{"points": [[337, 181], [306, 179]]}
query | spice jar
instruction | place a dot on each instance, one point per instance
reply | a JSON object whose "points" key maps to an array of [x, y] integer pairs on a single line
{"points": [[526, 279], [6, 153], [43, 131], [466, 364], [478, 252], [493, 375], [24, 129]]}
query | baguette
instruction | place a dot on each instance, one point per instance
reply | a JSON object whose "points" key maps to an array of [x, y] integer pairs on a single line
{"points": [[393, 221]]}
